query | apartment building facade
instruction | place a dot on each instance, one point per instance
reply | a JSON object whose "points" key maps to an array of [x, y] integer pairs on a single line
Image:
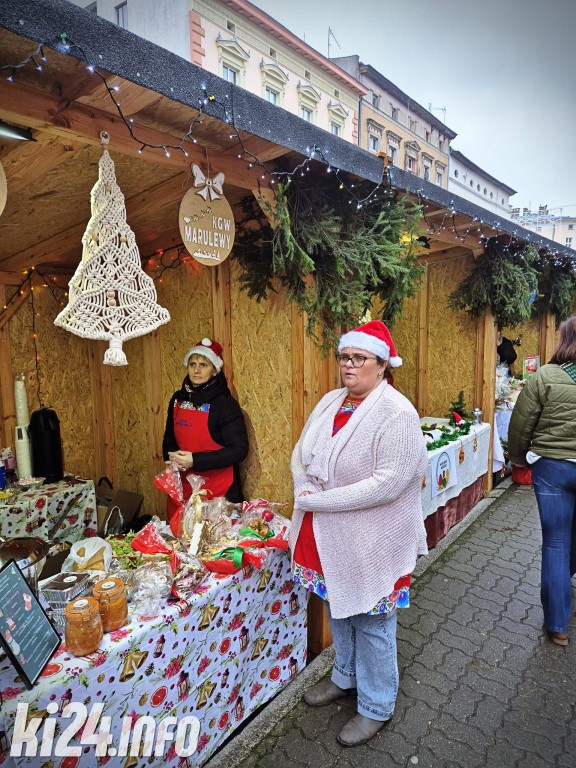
{"points": [[471, 182], [393, 123], [550, 223], [242, 44]]}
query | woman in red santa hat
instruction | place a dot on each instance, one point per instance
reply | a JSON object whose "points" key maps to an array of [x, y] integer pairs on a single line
{"points": [[358, 528], [205, 432]]}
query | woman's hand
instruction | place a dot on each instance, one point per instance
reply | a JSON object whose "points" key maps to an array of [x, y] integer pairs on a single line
{"points": [[182, 459], [305, 493]]}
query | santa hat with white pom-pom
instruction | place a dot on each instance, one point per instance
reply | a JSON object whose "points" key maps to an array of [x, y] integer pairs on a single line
{"points": [[373, 337], [209, 349]]}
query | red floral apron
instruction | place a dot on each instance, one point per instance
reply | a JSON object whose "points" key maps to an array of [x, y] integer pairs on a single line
{"points": [[191, 433]]}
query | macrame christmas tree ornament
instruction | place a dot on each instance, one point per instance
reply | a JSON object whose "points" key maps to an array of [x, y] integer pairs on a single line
{"points": [[110, 296]]}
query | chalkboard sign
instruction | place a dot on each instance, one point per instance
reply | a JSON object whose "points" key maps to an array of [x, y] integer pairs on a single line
{"points": [[26, 633]]}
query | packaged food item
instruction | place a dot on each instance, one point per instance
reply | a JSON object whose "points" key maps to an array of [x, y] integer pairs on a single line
{"points": [[111, 595], [123, 553], [92, 554], [150, 585], [62, 589], [83, 632]]}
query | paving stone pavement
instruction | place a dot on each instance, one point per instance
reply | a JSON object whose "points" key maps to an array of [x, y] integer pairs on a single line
{"points": [[480, 684]]}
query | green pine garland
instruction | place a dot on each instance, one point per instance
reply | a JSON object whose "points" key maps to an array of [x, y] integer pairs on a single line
{"points": [[329, 256], [556, 288], [502, 280]]}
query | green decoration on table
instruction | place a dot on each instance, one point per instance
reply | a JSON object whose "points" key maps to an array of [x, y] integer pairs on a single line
{"points": [[458, 406], [503, 280], [331, 257]]}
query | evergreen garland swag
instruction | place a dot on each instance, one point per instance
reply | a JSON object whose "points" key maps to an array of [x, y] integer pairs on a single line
{"points": [[502, 280], [331, 258], [556, 288]]}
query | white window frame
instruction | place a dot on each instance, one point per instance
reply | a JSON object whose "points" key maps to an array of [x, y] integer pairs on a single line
{"points": [[569, 242], [337, 116], [373, 143], [121, 14], [274, 79], [335, 128], [227, 71], [232, 56], [271, 96], [308, 100]]}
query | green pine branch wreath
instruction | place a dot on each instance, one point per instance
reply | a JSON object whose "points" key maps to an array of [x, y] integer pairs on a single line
{"points": [[330, 256]]}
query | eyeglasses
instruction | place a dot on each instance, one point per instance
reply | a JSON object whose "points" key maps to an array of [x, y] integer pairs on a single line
{"points": [[356, 360]]}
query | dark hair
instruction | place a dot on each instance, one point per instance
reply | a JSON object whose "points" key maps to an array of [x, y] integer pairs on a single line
{"points": [[565, 352], [380, 360]]}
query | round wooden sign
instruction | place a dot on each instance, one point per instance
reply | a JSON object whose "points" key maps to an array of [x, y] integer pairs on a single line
{"points": [[3, 189], [206, 220]]}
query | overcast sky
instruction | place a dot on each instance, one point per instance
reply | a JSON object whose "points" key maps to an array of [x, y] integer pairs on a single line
{"points": [[504, 69]]}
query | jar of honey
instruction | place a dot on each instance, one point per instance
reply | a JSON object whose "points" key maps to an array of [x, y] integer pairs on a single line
{"points": [[83, 632], [111, 595]]}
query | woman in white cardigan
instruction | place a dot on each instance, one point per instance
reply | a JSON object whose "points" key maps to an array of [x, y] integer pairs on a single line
{"points": [[357, 528]]}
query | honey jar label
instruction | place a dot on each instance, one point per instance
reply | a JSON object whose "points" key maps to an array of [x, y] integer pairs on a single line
{"points": [[107, 585], [80, 603]]}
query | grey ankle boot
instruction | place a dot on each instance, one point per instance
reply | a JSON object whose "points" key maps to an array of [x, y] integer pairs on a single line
{"points": [[359, 730], [323, 693]]}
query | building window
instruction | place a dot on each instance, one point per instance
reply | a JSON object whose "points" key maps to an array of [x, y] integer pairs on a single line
{"points": [[455, 173], [231, 27], [411, 164], [273, 54], [307, 75], [229, 74], [373, 143], [478, 187], [441, 145], [271, 96], [393, 152], [334, 129], [428, 136], [375, 100], [308, 100], [426, 173], [412, 125], [336, 93], [93, 7], [439, 179], [570, 226], [471, 183], [122, 15], [393, 112], [485, 191], [491, 195], [306, 114], [569, 242], [503, 201]]}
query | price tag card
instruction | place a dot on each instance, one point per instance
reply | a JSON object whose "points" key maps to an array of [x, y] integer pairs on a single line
{"points": [[26, 634]]}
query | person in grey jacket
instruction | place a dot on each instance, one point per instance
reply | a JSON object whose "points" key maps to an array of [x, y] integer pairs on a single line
{"points": [[542, 434], [358, 528]]}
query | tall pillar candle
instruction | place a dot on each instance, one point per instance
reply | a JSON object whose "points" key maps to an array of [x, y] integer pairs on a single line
{"points": [[21, 400], [23, 452]]}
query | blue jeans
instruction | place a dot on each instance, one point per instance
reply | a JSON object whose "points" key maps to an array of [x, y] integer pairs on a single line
{"points": [[366, 659], [554, 483]]}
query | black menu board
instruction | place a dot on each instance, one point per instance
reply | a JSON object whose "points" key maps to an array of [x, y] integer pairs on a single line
{"points": [[26, 633]]}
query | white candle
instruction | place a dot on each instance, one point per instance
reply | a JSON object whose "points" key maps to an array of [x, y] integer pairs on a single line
{"points": [[21, 400]]}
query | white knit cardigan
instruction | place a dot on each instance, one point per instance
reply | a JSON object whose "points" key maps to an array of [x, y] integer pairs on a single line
{"points": [[365, 485]]}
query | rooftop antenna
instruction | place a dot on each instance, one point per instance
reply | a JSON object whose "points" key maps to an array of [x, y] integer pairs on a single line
{"points": [[331, 35], [438, 109]]}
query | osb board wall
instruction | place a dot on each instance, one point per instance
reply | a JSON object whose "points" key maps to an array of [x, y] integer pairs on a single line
{"points": [[64, 371], [530, 345], [261, 351], [451, 340], [405, 336]]}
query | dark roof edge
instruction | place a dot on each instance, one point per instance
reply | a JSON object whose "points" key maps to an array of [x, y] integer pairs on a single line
{"points": [[416, 185], [457, 155], [131, 57], [406, 99]]}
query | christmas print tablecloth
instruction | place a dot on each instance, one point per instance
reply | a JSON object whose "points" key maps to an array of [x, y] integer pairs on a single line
{"points": [[470, 456], [34, 513], [218, 657]]}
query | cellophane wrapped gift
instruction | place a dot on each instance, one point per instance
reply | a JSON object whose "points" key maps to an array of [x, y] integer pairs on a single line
{"points": [[150, 586]]}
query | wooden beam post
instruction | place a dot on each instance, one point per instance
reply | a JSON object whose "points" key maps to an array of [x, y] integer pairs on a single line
{"points": [[547, 336], [155, 413], [422, 352], [222, 317], [485, 389], [102, 412], [7, 404]]}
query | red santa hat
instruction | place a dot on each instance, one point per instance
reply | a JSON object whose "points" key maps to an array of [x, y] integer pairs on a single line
{"points": [[209, 349], [373, 337]]}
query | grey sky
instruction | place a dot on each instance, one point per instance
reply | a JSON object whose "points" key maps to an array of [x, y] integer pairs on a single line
{"points": [[504, 69]]}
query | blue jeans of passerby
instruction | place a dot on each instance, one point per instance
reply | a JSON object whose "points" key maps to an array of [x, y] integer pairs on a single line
{"points": [[366, 659], [554, 483]]}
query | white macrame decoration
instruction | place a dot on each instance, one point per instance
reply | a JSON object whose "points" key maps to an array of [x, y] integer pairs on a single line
{"points": [[110, 296]]}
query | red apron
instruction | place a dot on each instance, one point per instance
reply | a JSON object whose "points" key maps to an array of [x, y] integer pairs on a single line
{"points": [[191, 433]]}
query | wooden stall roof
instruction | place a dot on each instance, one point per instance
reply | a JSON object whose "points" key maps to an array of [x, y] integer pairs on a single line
{"points": [[441, 200], [66, 107]]}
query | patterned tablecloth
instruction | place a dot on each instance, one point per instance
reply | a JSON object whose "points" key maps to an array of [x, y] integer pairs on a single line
{"points": [[218, 657], [33, 513], [471, 461]]}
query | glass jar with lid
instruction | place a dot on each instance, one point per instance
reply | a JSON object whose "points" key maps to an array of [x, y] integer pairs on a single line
{"points": [[83, 632], [111, 595]]}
